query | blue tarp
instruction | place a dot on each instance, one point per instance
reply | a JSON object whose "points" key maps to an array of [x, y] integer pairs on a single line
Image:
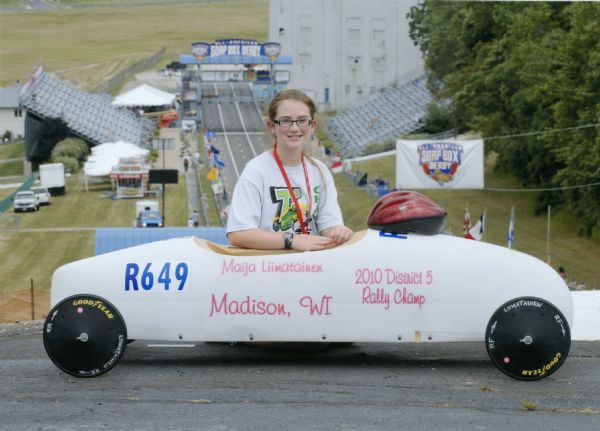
{"points": [[111, 239]]}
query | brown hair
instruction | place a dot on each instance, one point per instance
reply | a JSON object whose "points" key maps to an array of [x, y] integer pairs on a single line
{"points": [[291, 94], [300, 96]]}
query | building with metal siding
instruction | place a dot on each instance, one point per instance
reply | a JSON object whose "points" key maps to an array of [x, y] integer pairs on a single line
{"points": [[12, 117], [345, 50]]}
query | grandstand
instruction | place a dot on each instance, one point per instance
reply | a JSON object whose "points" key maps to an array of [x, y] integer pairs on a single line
{"points": [[91, 117], [396, 112]]}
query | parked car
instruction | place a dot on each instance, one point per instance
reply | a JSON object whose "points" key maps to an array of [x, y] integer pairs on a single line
{"points": [[42, 194], [149, 219], [26, 201]]}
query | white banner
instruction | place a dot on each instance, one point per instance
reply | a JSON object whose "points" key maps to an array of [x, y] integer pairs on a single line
{"points": [[439, 164]]}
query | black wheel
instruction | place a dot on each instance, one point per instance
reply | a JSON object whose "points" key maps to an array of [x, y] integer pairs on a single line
{"points": [[528, 338], [85, 335]]}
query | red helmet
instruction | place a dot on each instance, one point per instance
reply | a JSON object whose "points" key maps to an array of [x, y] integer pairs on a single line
{"points": [[407, 211]]}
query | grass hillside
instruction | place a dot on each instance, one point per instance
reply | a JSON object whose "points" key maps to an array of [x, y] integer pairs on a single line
{"points": [[89, 45], [36, 254], [580, 256]]}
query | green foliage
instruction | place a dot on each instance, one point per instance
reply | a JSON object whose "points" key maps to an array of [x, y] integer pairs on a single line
{"points": [[438, 118], [512, 68], [54, 130], [71, 148], [71, 164], [378, 147]]}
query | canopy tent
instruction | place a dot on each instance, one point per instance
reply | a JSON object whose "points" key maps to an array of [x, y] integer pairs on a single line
{"points": [[144, 95], [105, 156]]}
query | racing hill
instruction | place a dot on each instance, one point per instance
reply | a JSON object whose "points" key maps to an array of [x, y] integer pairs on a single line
{"points": [[229, 107]]}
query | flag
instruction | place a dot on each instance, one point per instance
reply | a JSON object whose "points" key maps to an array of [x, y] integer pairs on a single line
{"points": [[467, 224], [214, 149], [363, 180], [476, 232], [218, 161], [337, 167], [212, 174], [511, 228]]}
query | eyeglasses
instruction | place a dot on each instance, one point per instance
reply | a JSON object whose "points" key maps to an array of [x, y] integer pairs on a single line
{"points": [[287, 122]]}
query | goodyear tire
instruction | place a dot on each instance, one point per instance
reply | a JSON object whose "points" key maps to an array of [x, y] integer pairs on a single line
{"points": [[85, 335], [528, 338]]}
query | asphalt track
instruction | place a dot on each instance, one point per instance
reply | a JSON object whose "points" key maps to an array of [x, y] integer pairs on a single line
{"points": [[229, 110], [308, 387]]}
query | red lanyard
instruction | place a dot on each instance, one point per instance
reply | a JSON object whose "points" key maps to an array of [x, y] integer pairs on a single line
{"points": [[291, 190]]}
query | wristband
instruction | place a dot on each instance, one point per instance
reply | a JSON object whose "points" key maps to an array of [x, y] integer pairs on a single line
{"points": [[288, 238]]}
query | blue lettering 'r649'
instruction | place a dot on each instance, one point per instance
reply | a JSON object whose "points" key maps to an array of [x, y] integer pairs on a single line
{"points": [[160, 276]]}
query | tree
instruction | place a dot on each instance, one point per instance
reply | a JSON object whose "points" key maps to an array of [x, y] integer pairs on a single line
{"points": [[513, 68]]}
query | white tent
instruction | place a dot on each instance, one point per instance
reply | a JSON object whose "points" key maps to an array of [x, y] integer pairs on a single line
{"points": [[105, 156], [144, 95]]}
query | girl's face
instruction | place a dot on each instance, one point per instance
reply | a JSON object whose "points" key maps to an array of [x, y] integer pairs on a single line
{"points": [[292, 137]]}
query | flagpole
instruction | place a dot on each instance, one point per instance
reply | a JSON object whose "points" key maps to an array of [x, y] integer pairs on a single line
{"points": [[484, 221], [511, 228], [548, 236]]}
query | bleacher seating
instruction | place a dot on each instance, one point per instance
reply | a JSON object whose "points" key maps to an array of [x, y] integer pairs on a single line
{"points": [[396, 112], [90, 116]]}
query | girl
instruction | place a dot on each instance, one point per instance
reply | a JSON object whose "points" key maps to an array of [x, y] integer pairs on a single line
{"points": [[285, 199]]}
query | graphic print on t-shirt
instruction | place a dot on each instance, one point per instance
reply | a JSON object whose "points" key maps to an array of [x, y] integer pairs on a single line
{"points": [[286, 217]]}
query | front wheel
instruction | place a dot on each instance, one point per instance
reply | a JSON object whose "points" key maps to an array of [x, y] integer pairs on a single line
{"points": [[528, 338], [85, 335]]}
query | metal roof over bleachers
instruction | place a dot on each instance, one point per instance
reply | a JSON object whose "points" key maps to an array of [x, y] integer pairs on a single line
{"points": [[92, 117], [396, 112]]}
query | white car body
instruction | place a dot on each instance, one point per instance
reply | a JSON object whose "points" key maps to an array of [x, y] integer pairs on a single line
{"points": [[379, 287]]}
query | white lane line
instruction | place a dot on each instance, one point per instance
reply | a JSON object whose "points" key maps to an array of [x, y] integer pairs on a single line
{"points": [[235, 168], [237, 105]]}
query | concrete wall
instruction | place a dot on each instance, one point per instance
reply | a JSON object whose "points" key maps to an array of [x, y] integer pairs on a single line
{"points": [[345, 50]]}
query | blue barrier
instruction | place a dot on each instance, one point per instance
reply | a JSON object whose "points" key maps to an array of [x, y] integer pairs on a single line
{"points": [[111, 239]]}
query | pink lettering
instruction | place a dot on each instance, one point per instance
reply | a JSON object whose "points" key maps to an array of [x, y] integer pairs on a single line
{"points": [[243, 268], [403, 296], [401, 278], [247, 306], [315, 307], [269, 266], [379, 296]]}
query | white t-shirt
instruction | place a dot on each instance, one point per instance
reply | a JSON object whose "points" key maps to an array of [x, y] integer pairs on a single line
{"points": [[262, 200]]}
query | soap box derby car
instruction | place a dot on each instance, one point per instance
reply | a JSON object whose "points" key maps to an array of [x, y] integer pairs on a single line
{"points": [[399, 281]]}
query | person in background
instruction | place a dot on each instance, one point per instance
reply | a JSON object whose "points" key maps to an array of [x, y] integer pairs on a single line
{"points": [[195, 218], [285, 199], [562, 273]]}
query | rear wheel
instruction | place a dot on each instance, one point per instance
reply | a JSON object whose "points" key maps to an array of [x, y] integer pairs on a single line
{"points": [[528, 338], [85, 335]]}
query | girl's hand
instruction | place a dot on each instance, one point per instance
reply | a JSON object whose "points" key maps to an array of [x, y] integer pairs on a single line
{"points": [[338, 234], [311, 242]]}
